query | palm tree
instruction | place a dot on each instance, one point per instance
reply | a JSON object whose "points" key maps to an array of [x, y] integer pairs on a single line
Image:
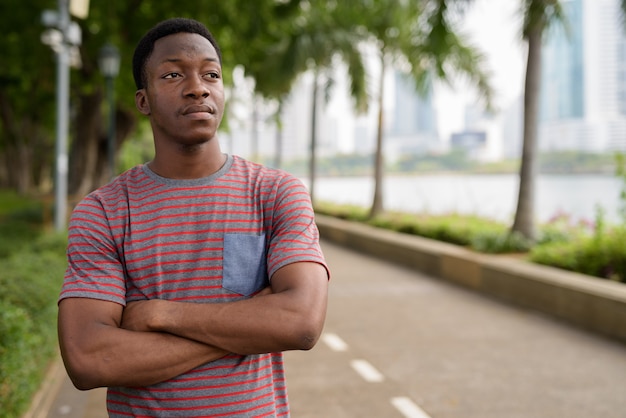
{"points": [[324, 33], [420, 35], [538, 16]]}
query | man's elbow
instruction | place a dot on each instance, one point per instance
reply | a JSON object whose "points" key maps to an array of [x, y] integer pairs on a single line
{"points": [[308, 341], [82, 372], [82, 379], [82, 382], [308, 334]]}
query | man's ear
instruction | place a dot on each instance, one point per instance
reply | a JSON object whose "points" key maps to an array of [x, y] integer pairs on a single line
{"points": [[141, 101]]}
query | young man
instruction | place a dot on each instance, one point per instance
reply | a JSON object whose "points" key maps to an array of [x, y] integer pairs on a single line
{"points": [[189, 275]]}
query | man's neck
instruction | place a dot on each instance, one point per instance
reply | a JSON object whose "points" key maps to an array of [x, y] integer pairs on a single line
{"points": [[192, 162]]}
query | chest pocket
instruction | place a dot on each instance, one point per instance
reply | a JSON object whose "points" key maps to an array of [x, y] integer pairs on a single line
{"points": [[245, 266]]}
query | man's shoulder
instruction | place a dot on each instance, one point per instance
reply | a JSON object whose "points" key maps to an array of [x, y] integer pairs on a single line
{"points": [[121, 186], [258, 170]]}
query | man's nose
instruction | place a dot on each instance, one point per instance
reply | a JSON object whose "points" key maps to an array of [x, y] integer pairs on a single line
{"points": [[196, 86]]}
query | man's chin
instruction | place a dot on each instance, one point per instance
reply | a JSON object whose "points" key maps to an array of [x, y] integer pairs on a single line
{"points": [[194, 143]]}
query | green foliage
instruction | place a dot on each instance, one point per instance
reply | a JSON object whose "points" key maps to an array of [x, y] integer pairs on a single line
{"points": [[31, 275], [138, 149], [471, 231], [605, 257], [597, 250], [500, 242], [455, 160], [452, 228], [574, 162], [19, 341], [15, 235], [13, 203], [341, 211], [620, 172], [593, 249], [20, 221], [561, 228], [246, 32], [32, 263]]}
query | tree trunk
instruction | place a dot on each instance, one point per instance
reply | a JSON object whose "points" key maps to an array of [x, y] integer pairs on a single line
{"points": [[278, 157], [19, 158], [89, 148], [313, 145], [525, 213], [21, 140], [254, 131], [26, 152], [377, 201], [85, 145], [125, 122]]}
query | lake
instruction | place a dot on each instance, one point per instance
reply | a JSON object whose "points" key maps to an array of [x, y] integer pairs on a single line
{"points": [[490, 195]]}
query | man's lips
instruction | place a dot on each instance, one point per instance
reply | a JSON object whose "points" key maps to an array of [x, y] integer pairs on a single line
{"points": [[198, 109]]}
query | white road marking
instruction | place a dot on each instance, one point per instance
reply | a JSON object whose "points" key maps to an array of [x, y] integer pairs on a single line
{"points": [[408, 408], [334, 342], [404, 405], [367, 371]]}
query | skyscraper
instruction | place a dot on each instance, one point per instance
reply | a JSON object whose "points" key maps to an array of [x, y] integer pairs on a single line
{"points": [[412, 126], [583, 90]]}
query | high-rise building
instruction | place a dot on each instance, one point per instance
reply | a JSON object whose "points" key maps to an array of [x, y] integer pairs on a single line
{"points": [[412, 124], [583, 90]]}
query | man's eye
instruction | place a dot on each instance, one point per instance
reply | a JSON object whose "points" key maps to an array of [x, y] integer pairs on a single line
{"points": [[172, 75], [212, 75]]}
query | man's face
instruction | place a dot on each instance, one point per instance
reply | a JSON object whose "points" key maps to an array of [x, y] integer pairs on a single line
{"points": [[184, 93]]}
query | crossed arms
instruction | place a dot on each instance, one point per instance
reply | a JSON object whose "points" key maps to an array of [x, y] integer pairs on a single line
{"points": [[105, 344]]}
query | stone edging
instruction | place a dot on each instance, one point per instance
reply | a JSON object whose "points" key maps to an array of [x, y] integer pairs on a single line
{"points": [[591, 303], [44, 397]]}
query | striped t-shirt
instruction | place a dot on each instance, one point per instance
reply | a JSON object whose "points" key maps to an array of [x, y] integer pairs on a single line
{"points": [[214, 239]]}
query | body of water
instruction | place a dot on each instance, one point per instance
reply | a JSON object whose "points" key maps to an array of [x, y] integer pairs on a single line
{"points": [[492, 196]]}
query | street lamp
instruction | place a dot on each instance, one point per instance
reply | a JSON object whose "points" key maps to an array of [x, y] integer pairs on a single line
{"points": [[63, 36], [109, 62]]}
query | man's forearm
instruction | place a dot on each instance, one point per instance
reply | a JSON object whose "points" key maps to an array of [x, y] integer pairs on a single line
{"points": [[131, 358], [290, 318], [97, 352], [246, 327]]}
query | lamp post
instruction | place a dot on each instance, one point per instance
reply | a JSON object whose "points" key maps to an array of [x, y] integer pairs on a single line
{"points": [[109, 63], [64, 37]]}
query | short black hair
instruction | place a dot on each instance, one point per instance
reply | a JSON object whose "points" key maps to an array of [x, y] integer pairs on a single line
{"points": [[167, 27]]}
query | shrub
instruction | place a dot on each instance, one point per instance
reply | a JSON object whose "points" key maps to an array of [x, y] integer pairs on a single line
{"points": [[500, 243], [584, 247], [14, 235], [452, 228], [20, 356], [598, 255], [32, 278], [20, 222], [347, 212], [31, 264], [29, 287]]}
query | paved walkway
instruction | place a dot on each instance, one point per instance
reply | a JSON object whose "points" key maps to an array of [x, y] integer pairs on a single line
{"points": [[401, 344]]}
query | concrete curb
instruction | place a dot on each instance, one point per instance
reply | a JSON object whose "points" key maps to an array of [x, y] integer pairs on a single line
{"points": [[591, 303], [46, 395]]}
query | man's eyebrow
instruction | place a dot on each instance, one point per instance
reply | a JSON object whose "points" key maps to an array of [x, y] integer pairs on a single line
{"points": [[210, 59]]}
